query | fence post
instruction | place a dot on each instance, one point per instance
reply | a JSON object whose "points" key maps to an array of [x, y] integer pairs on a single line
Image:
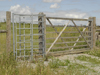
{"points": [[94, 31], [90, 32], [41, 26], [44, 30], [8, 35]]}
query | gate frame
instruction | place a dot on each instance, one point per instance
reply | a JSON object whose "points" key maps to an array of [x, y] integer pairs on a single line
{"points": [[92, 21], [42, 33]]}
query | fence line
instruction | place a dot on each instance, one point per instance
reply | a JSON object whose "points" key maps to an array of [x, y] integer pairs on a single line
{"points": [[42, 32]]}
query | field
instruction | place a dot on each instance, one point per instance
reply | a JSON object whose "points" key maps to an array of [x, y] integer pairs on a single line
{"points": [[86, 63]]}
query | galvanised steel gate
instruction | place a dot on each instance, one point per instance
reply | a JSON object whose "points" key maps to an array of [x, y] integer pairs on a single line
{"points": [[28, 35]]}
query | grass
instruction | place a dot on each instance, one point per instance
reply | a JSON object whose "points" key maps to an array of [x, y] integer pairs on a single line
{"points": [[55, 63], [95, 52], [88, 59], [8, 65], [77, 69]]}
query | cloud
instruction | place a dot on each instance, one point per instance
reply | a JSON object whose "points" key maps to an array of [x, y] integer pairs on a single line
{"points": [[66, 14], [49, 1], [54, 6], [20, 10]]}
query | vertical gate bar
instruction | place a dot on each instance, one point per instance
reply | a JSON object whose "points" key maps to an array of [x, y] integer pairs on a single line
{"points": [[32, 38], [94, 31], [13, 34], [16, 41], [24, 40], [43, 40], [42, 35], [20, 33], [92, 35]]}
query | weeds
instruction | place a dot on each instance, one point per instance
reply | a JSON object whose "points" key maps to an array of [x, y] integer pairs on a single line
{"points": [[88, 59], [55, 63], [94, 52]]}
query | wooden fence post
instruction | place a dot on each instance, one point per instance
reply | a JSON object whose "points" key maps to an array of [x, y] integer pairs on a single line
{"points": [[90, 32], [8, 35], [94, 31]]}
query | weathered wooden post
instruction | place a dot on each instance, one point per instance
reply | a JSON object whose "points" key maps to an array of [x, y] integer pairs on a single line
{"points": [[90, 32], [92, 29], [42, 30], [8, 35]]}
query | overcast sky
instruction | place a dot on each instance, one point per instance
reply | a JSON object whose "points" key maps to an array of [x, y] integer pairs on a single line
{"points": [[58, 8]]}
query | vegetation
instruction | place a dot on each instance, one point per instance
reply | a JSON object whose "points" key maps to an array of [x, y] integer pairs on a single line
{"points": [[55, 63], [95, 52], [9, 66], [88, 59]]}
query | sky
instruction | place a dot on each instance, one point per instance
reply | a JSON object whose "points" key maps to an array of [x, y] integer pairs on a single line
{"points": [[53, 8]]}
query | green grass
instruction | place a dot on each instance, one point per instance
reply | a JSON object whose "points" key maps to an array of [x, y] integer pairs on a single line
{"points": [[55, 63], [88, 59], [8, 65], [95, 52], [77, 69]]}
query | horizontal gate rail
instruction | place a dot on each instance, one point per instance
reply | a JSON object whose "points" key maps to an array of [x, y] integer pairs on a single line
{"points": [[97, 29], [69, 19], [29, 28], [68, 42], [69, 47], [68, 52], [29, 14], [70, 37], [71, 32]]}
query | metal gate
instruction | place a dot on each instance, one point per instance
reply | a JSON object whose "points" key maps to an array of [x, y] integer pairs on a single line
{"points": [[61, 43], [28, 36]]}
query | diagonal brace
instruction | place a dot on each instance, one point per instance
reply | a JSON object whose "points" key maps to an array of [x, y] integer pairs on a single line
{"points": [[55, 30], [57, 38], [79, 37], [80, 33]]}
